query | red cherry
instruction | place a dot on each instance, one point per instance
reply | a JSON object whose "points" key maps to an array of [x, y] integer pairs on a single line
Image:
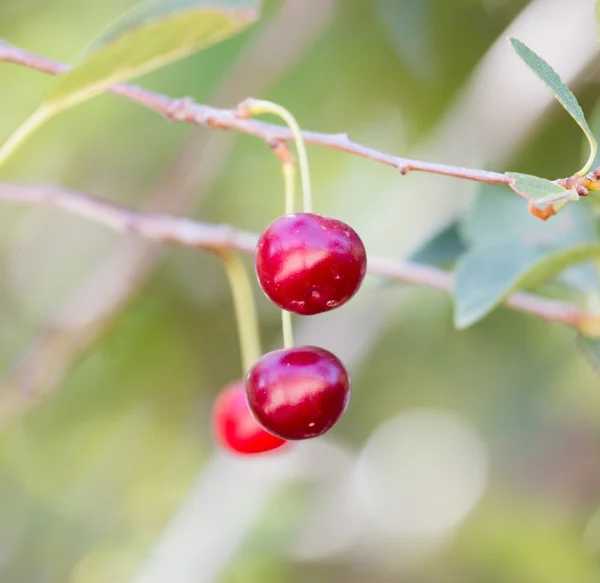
{"points": [[298, 393], [234, 426], [309, 264]]}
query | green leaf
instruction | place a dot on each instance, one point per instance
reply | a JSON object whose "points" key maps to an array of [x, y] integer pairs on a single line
{"points": [[591, 349], [595, 125], [444, 248], [153, 34], [499, 265], [495, 217], [560, 91], [583, 277], [536, 187], [487, 275]]}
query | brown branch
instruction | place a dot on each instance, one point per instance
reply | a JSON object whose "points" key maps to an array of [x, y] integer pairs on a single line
{"points": [[188, 111], [163, 228], [544, 308], [152, 226]]}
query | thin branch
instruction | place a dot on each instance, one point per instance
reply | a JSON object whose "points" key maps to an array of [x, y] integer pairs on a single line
{"points": [[167, 229], [188, 111], [551, 310], [152, 226]]}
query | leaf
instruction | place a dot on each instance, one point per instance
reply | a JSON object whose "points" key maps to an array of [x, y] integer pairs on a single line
{"points": [[498, 265], [495, 217], [583, 277], [151, 35], [595, 125], [536, 187], [487, 275], [444, 248], [560, 91], [591, 349]]}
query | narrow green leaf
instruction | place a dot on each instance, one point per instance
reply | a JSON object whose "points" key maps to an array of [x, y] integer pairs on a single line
{"points": [[560, 91], [153, 34], [595, 125], [536, 187], [444, 248], [492, 269]]}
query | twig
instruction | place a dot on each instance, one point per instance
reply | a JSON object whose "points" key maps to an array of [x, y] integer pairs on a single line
{"points": [[188, 111], [544, 308], [156, 227], [167, 229]]}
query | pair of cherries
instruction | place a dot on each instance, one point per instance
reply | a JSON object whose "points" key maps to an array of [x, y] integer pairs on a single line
{"points": [[306, 264]]}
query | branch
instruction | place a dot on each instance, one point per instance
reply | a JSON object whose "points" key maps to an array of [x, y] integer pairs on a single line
{"points": [[188, 111], [152, 226], [167, 229]]}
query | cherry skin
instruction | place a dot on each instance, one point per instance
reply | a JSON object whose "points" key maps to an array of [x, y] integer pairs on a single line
{"points": [[308, 264], [298, 393], [234, 427]]}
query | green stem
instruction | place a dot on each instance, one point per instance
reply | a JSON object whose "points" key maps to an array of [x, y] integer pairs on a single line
{"points": [[286, 325], [245, 310], [257, 106], [288, 179]]}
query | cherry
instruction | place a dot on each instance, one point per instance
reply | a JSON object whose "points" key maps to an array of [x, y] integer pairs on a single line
{"points": [[309, 264], [234, 426], [298, 393]]}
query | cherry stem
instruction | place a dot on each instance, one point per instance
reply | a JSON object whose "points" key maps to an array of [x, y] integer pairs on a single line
{"points": [[288, 179], [286, 326], [257, 106], [245, 309], [289, 172]]}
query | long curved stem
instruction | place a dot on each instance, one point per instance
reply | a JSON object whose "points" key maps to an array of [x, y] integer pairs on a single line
{"points": [[257, 106], [289, 172], [245, 310]]}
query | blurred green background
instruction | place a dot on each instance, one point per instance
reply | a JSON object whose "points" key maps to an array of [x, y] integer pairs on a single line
{"points": [[467, 456]]}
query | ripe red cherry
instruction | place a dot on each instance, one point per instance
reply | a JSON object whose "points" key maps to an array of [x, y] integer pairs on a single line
{"points": [[309, 264], [298, 393], [235, 428]]}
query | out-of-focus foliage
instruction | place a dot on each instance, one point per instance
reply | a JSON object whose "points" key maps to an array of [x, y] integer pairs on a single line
{"points": [[519, 257], [562, 93], [469, 456], [149, 36]]}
